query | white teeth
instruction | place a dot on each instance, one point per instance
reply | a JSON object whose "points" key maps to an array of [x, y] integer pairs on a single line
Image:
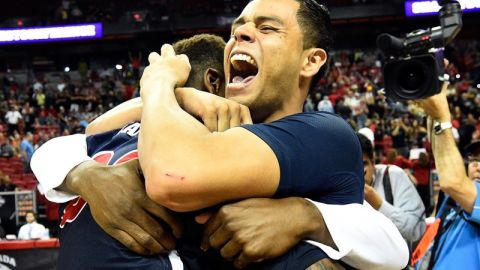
{"points": [[243, 57]]}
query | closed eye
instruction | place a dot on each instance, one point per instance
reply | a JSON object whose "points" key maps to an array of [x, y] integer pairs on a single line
{"points": [[267, 28]]}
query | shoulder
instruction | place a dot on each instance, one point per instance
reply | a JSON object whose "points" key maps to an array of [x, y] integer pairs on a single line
{"points": [[394, 169], [308, 124]]}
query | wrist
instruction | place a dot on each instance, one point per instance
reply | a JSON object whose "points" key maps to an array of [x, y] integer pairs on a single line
{"points": [[314, 227], [157, 85], [181, 94], [440, 127], [77, 180]]}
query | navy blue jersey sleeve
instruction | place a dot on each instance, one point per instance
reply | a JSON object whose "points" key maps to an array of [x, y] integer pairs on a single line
{"points": [[319, 156]]}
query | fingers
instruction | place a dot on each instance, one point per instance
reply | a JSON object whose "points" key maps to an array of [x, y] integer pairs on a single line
{"points": [[153, 57], [219, 238], [158, 232], [167, 50], [244, 259], [246, 118], [230, 114], [183, 57], [129, 242], [236, 117], [212, 225], [223, 118], [136, 239], [230, 250], [203, 217], [164, 214], [210, 121]]}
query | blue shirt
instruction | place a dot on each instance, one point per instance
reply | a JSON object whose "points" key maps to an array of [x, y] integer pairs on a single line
{"points": [[459, 246], [27, 147]]}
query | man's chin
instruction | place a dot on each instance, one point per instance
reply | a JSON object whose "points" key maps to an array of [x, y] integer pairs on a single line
{"points": [[242, 99]]}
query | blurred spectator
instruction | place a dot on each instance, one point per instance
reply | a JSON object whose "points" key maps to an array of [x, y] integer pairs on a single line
{"points": [[13, 117], [7, 150], [394, 158], [308, 106], [32, 230], [40, 98], [27, 150], [325, 105], [399, 136], [76, 127], [28, 114], [5, 183], [136, 62], [417, 133], [421, 171]]}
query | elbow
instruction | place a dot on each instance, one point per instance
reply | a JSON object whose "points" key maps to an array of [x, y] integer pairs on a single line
{"points": [[450, 186], [167, 193], [90, 129]]}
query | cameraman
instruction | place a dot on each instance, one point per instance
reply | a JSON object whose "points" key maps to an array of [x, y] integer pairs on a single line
{"points": [[458, 246]]}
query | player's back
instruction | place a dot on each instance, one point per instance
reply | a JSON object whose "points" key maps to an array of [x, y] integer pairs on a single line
{"points": [[83, 243]]}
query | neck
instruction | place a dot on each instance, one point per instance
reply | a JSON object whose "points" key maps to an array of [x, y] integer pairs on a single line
{"points": [[291, 106]]}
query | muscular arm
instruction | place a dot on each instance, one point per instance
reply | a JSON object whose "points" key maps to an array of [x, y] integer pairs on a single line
{"points": [[125, 113], [353, 233], [199, 168]]}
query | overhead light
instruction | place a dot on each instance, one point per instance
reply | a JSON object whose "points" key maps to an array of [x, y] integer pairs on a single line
{"points": [[67, 69], [138, 16], [119, 67], [457, 76]]}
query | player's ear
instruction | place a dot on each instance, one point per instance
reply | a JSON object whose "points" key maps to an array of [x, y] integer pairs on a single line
{"points": [[315, 58], [212, 80]]}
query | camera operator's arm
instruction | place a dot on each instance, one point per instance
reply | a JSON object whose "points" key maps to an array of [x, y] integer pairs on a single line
{"points": [[451, 170]]}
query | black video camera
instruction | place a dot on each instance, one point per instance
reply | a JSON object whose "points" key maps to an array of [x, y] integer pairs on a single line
{"points": [[414, 65]]}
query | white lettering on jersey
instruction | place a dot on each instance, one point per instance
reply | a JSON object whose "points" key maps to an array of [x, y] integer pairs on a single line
{"points": [[131, 130]]}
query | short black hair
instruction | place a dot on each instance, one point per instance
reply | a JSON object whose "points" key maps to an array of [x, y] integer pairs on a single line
{"points": [[314, 20], [204, 51], [366, 144]]}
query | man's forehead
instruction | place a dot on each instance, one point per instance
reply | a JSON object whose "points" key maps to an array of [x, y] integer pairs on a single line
{"points": [[269, 8]]}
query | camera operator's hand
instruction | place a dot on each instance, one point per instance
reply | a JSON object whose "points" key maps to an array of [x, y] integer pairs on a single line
{"points": [[437, 106]]}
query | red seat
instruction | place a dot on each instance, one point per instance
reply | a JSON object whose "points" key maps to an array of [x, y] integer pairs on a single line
{"points": [[29, 178]]}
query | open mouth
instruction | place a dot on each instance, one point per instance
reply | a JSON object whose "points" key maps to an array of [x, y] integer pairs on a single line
{"points": [[243, 68]]}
